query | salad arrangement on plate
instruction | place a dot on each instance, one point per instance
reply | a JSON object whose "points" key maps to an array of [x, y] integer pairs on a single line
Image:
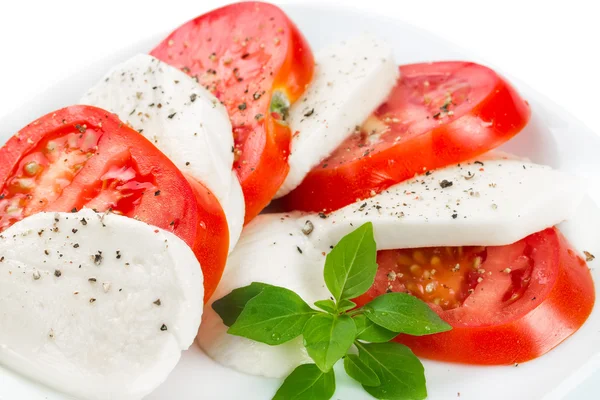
{"points": [[138, 220]]}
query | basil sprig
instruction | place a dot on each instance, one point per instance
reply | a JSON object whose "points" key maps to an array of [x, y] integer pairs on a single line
{"points": [[387, 370]]}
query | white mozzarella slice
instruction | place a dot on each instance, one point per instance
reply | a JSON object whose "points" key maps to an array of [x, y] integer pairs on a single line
{"points": [[235, 210], [271, 250], [351, 80], [96, 306], [186, 122], [493, 202]]}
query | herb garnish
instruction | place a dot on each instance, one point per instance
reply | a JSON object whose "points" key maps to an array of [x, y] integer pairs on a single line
{"points": [[280, 106], [275, 315]]}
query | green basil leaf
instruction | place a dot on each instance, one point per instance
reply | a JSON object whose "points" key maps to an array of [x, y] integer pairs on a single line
{"points": [[330, 306], [274, 316], [307, 382], [327, 305], [400, 372], [403, 313], [351, 266], [327, 338], [346, 305], [360, 372], [370, 332], [230, 307]]}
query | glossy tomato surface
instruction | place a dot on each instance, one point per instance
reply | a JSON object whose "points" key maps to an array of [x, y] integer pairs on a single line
{"points": [[83, 156], [438, 114], [506, 304], [255, 61]]}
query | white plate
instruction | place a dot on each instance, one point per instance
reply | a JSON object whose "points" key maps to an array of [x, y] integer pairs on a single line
{"points": [[553, 137]]}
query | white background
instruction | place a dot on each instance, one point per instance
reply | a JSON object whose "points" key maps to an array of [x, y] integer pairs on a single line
{"points": [[553, 46]]}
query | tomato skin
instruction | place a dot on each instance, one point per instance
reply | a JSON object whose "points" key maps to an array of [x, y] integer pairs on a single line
{"points": [[212, 242], [540, 322], [260, 185], [165, 200], [243, 53], [420, 139]]}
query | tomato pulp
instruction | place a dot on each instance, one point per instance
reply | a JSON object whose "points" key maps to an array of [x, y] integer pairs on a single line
{"points": [[257, 63], [437, 115], [506, 304], [83, 156]]}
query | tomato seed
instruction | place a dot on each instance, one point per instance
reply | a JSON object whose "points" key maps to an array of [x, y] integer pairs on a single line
{"points": [[415, 269], [31, 168], [419, 257], [405, 260]]}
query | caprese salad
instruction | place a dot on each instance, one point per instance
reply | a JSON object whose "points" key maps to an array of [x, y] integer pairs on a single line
{"points": [[130, 222]]}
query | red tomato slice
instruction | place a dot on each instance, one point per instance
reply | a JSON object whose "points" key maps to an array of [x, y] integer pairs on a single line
{"points": [[438, 114], [506, 304], [82, 156], [256, 62]]}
